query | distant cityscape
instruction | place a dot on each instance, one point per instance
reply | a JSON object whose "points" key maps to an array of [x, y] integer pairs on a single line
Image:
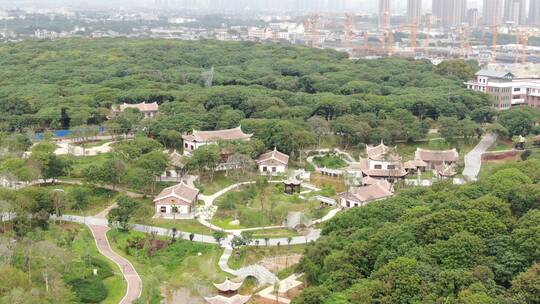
{"points": [[497, 31]]}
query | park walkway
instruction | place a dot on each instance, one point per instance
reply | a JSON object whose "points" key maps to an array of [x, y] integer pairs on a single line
{"points": [[134, 282], [473, 159]]}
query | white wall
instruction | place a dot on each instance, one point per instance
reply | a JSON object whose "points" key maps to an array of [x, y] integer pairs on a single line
{"points": [[279, 169], [182, 209]]}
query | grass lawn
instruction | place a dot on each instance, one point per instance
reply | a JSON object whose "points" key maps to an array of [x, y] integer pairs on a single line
{"points": [[502, 144], [182, 271], [322, 181], [274, 233], [98, 199], [255, 207], [220, 181], [146, 211], [247, 256], [80, 163], [330, 161]]}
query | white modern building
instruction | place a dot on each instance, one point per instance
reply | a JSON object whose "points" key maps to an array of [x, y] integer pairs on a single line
{"points": [[507, 90]]}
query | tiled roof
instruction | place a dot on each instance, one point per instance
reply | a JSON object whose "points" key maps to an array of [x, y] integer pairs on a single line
{"points": [[436, 156], [381, 152], [181, 191], [446, 170], [494, 74], [228, 285], [218, 135], [414, 164], [236, 299], [143, 107], [377, 191], [274, 155], [364, 167]]}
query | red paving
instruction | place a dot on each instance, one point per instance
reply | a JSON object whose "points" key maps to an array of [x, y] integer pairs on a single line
{"points": [[134, 283]]}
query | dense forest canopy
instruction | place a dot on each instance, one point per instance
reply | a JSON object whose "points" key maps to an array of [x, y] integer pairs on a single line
{"points": [[476, 243], [44, 82]]}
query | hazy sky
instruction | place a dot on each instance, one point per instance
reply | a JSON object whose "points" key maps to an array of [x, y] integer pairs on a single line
{"points": [[365, 5]]}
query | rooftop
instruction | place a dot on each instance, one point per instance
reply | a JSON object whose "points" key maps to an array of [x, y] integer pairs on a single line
{"points": [[181, 191], [217, 135], [143, 107], [376, 191], [274, 155], [436, 155], [495, 74]]}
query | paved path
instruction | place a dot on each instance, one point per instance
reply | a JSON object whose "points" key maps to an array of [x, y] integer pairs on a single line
{"points": [[134, 282], [473, 159], [263, 275]]}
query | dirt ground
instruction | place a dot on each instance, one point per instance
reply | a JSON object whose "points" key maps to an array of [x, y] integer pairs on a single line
{"points": [[278, 263]]}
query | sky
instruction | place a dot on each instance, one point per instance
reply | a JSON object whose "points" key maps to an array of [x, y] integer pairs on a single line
{"points": [[363, 5]]}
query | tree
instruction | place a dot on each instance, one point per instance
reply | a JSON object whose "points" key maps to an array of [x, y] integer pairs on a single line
{"points": [[121, 215], [456, 67], [247, 237], [154, 164], [517, 122], [205, 159], [526, 286], [449, 129], [219, 236], [320, 127]]}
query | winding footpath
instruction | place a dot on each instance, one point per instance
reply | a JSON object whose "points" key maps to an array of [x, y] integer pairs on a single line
{"points": [[134, 282]]}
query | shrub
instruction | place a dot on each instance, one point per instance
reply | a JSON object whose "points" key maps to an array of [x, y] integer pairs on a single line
{"points": [[103, 269], [90, 290]]}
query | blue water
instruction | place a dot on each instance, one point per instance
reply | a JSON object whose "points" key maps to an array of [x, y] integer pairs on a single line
{"points": [[64, 133]]}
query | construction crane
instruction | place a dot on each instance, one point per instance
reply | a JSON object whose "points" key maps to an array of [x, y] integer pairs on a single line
{"points": [[517, 51], [306, 30], [464, 42], [387, 40], [414, 28], [495, 33], [314, 31], [525, 45], [347, 30]]}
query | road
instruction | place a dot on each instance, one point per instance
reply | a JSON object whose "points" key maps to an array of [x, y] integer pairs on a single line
{"points": [[473, 159], [134, 282]]}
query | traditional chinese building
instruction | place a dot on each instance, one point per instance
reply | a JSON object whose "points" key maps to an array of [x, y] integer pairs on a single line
{"points": [[435, 158], [273, 163], [382, 162], [176, 201], [147, 109], [360, 196], [200, 138]]}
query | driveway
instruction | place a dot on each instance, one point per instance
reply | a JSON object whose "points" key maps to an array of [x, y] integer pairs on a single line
{"points": [[473, 160]]}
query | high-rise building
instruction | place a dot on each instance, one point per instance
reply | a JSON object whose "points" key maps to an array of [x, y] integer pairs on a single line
{"points": [[384, 13], [515, 11], [414, 10], [449, 12], [473, 17], [492, 14], [534, 12]]}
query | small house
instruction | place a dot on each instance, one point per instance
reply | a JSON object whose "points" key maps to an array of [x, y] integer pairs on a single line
{"points": [[360, 196], [176, 201], [273, 163], [148, 110], [198, 139]]}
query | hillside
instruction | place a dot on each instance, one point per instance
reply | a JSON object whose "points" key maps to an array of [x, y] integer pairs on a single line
{"points": [[470, 244]]}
